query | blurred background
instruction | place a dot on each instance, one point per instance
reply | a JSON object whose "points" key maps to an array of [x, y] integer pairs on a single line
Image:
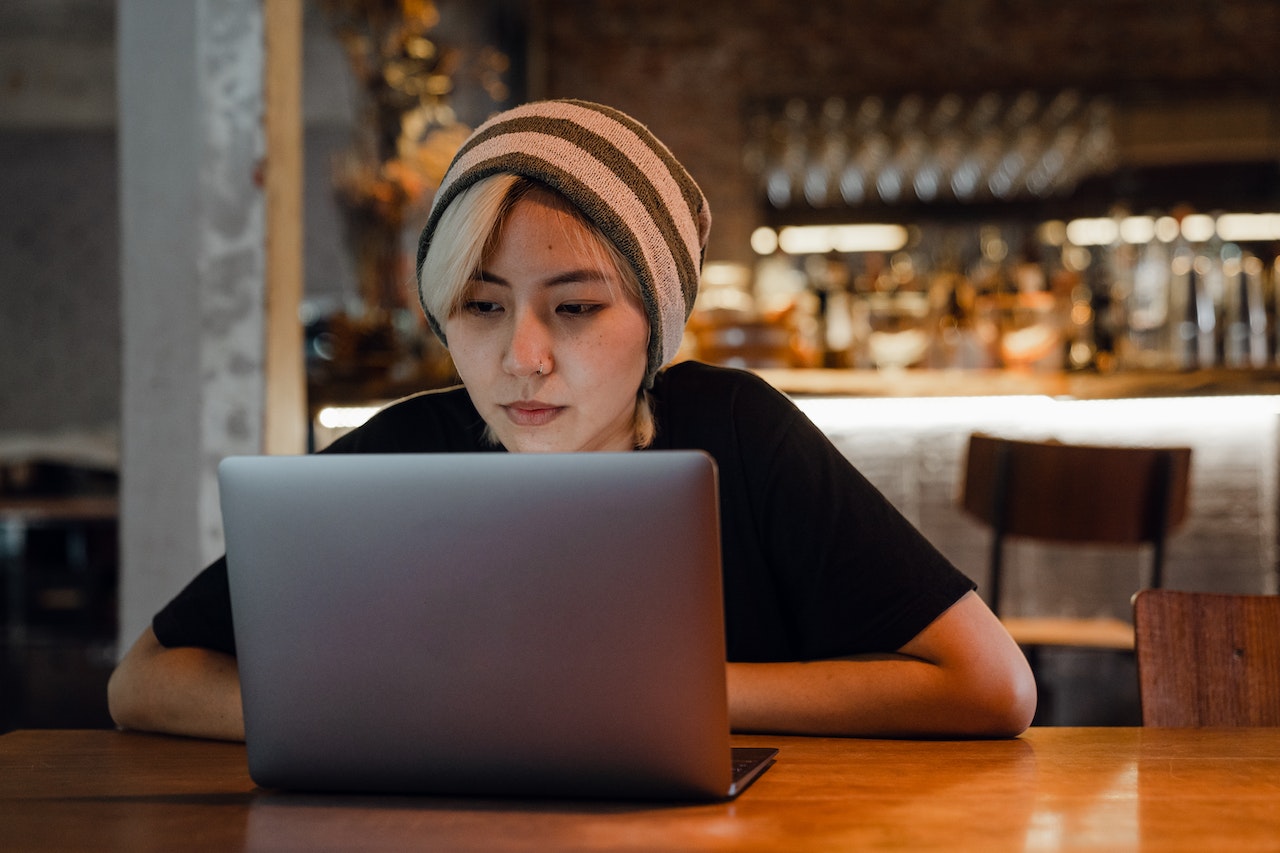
{"points": [[1089, 187]]}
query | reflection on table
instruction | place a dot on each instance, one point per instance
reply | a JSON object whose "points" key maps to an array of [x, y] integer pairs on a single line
{"points": [[1054, 788]]}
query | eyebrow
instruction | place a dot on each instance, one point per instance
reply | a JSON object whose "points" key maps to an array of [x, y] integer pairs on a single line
{"points": [[575, 276]]}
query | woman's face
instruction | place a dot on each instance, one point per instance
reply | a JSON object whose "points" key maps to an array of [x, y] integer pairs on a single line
{"points": [[545, 299]]}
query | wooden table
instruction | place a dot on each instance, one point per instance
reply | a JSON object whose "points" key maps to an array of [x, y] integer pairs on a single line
{"points": [[1053, 789]]}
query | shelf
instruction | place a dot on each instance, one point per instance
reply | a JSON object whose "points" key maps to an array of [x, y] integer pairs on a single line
{"points": [[827, 382], [71, 509], [986, 383]]}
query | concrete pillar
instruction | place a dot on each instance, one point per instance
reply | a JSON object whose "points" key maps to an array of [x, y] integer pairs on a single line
{"points": [[210, 272]]}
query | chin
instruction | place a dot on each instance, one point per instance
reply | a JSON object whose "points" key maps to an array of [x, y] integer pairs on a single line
{"points": [[539, 448], [534, 444]]}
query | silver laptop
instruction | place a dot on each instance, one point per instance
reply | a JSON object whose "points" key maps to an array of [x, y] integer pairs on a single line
{"points": [[482, 624]]}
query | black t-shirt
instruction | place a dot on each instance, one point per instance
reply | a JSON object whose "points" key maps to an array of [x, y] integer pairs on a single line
{"points": [[817, 563]]}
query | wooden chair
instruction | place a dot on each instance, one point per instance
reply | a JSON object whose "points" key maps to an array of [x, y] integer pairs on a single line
{"points": [[1069, 493], [1208, 659]]}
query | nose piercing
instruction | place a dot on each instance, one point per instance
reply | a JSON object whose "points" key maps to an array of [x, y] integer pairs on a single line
{"points": [[539, 370]]}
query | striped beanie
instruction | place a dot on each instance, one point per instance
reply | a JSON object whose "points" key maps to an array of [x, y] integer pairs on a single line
{"points": [[620, 177]]}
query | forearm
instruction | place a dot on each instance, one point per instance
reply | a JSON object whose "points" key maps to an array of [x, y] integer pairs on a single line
{"points": [[962, 676], [888, 697], [185, 691]]}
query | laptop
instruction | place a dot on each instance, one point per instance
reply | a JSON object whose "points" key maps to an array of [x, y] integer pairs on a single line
{"points": [[531, 625]]}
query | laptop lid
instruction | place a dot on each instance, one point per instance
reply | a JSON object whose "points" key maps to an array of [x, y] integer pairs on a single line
{"points": [[512, 624]]}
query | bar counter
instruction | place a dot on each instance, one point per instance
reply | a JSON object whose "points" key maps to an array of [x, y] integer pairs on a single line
{"points": [[1125, 384], [1133, 384], [1052, 789], [907, 431]]}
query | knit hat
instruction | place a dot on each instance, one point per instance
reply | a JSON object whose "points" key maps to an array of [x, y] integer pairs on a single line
{"points": [[620, 177]]}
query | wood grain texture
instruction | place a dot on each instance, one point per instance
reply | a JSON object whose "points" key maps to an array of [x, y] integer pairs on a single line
{"points": [[1207, 659], [1054, 788]]}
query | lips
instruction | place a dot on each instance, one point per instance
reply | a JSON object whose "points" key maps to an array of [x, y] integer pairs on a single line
{"points": [[531, 413]]}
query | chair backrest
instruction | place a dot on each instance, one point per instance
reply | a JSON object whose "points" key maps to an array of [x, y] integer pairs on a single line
{"points": [[1087, 494], [1208, 659]]}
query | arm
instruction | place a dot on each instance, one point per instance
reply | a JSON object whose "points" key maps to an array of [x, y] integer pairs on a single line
{"points": [[184, 691], [192, 688], [961, 676]]}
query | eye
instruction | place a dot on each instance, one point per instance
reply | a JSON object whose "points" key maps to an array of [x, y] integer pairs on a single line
{"points": [[481, 307], [579, 309]]}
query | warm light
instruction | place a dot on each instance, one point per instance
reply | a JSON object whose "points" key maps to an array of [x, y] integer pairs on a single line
{"points": [[725, 274], [994, 247], [839, 414], [1167, 229], [1081, 313], [1198, 227], [821, 239], [1038, 414], [1104, 232], [764, 241], [1092, 232], [1076, 259], [1249, 227], [1053, 232], [345, 417], [1137, 229]]}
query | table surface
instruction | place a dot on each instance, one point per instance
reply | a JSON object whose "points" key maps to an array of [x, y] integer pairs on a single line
{"points": [[1052, 789]]}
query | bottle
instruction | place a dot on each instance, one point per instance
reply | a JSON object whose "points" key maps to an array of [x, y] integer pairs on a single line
{"points": [[1088, 342], [1148, 315], [1206, 273], [1183, 309], [1245, 316], [1196, 344], [955, 343]]}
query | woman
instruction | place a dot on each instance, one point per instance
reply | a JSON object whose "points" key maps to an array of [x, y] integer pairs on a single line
{"points": [[559, 264]]}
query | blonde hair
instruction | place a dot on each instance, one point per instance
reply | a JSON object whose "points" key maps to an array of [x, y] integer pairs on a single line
{"points": [[466, 232]]}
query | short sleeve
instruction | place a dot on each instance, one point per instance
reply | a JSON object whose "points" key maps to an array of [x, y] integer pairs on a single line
{"points": [[431, 422], [817, 562], [856, 575], [200, 615]]}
